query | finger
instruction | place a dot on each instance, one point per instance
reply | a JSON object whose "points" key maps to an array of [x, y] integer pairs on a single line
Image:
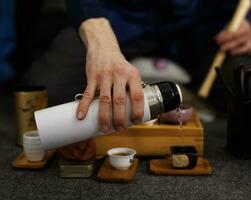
{"points": [[136, 97], [105, 102], [220, 36], [225, 35], [229, 45], [235, 42], [246, 48], [85, 102], [242, 30], [119, 104]]}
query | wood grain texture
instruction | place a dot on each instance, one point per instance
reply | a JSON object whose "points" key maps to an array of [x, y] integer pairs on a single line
{"points": [[109, 174], [154, 139], [164, 167], [22, 163]]}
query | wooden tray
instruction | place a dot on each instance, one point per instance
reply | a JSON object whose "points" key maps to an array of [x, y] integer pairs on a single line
{"points": [[109, 174], [164, 167], [154, 139], [23, 163]]}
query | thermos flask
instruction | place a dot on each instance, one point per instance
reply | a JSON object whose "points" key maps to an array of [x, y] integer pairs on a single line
{"points": [[58, 125]]}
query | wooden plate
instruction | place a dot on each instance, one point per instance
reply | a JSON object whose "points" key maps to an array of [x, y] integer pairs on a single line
{"points": [[109, 174], [164, 167], [23, 163]]}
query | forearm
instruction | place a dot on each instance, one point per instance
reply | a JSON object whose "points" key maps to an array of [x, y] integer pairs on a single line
{"points": [[98, 33]]}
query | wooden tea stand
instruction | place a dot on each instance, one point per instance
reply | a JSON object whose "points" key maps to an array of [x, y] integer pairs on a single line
{"points": [[149, 139], [154, 139]]}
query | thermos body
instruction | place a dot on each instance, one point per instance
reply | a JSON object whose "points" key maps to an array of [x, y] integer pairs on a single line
{"points": [[58, 125]]}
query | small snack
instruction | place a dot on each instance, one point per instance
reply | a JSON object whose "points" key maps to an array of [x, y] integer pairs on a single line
{"points": [[80, 151], [183, 157], [180, 161]]}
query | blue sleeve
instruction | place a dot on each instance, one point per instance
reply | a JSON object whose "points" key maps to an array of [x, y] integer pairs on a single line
{"points": [[80, 10], [183, 8], [233, 6]]}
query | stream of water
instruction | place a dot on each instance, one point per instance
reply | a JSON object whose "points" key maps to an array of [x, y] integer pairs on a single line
{"points": [[178, 113]]}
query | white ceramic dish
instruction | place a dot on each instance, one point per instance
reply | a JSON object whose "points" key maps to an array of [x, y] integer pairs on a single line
{"points": [[32, 146], [121, 158]]}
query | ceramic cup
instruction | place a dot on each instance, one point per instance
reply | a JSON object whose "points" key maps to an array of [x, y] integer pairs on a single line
{"points": [[121, 158], [32, 146]]}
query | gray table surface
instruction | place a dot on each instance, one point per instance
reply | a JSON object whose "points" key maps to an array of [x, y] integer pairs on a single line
{"points": [[231, 177]]}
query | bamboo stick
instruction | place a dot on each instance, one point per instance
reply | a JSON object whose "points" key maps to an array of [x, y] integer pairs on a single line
{"points": [[239, 15]]}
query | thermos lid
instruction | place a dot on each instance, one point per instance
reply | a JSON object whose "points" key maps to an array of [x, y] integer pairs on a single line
{"points": [[171, 94]]}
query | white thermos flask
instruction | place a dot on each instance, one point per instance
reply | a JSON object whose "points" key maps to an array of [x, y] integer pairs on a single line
{"points": [[58, 125]]}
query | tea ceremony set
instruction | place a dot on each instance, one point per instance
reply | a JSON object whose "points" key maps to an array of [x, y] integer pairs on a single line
{"points": [[46, 153], [173, 139], [175, 153]]}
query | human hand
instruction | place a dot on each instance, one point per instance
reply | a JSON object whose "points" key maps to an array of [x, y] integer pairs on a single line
{"points": [[108, 70], [236, 43]]}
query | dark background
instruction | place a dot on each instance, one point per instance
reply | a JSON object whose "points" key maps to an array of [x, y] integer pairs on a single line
{"points": [[37, 24]]}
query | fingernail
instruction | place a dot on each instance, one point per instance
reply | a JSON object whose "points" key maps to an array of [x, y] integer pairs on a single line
{"points": [[136, 121], [104, 128], [80, 115]]}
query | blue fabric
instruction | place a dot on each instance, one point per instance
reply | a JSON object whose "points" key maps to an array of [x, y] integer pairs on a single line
{"points": [[7, 38], [182, 29], [131, 18]]}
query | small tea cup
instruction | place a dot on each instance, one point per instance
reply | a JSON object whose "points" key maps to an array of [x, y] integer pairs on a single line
{"points": [[32, 146], [121, 158]]}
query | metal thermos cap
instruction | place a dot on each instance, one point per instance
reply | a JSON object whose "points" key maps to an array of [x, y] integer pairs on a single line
{"points": [[171, 94]]}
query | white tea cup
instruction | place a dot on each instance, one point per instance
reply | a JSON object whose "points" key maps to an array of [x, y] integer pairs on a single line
{"points": [[32, 146], [121, 158]]}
